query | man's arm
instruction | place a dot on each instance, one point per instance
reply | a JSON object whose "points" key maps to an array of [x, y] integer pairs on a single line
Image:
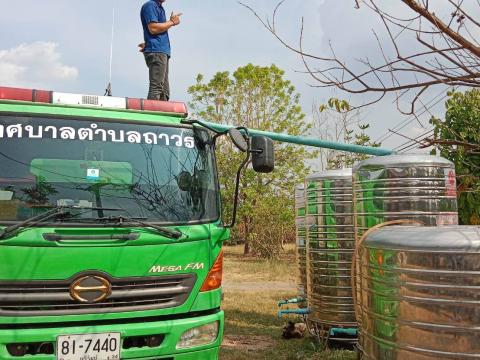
{"points": [[159, 28]]}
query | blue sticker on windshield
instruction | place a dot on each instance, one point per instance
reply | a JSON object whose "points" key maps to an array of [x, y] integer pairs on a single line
{"points": [[93, 174]]}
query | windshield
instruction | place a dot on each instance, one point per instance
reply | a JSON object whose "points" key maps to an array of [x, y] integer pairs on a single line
{"points": [[155, 173]]}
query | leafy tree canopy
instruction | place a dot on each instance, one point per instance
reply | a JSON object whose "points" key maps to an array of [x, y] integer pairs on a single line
{"points": [[458, 139], [260, 98]]}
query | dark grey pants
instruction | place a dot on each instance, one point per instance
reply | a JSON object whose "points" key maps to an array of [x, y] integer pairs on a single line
{"points": [[158, 72]]}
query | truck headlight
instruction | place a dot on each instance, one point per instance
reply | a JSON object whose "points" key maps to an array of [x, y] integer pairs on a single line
{"points": [[201, 335]]}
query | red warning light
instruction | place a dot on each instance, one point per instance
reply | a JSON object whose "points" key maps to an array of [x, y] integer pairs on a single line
{"points": [[8, 93]]}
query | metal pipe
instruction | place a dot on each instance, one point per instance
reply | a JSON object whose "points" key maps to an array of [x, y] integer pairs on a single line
{"points": [[302, 140], [334, 332], [290, 301], [293, 311]]}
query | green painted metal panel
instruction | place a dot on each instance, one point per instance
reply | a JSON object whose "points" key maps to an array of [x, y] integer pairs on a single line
{"points": [[207, 300], [172, 329], [29, 256]]}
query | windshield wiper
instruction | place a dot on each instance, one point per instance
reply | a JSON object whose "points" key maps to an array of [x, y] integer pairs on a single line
{"points": [[56, 211], [172, 234], [77, 207]]}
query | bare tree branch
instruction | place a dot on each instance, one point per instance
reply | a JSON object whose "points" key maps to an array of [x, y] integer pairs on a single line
{"points": [[447, 53]]}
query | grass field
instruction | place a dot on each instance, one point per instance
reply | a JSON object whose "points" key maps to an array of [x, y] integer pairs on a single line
{"points": [[252, 288]]}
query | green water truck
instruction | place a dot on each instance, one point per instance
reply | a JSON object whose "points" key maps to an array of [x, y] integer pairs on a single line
{"points": [[111, 229]]}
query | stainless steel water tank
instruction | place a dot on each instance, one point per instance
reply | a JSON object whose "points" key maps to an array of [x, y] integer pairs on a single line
{"points": [[403, 187], [301, 249], [420, 293], [407, 186], [330, 245]]}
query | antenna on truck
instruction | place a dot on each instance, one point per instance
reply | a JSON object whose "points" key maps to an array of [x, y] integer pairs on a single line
{"points": [[108, 90]]}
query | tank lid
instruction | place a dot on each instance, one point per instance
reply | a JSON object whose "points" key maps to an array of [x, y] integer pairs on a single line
{"points": [[402, 160], [441, 238], [330, 174], [300, 187]]}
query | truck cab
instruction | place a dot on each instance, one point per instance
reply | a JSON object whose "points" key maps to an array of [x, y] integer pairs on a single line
{"points": [[111, 232]]}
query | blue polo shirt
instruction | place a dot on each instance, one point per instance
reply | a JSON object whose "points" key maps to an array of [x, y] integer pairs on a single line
{"points": [[153, 11]]}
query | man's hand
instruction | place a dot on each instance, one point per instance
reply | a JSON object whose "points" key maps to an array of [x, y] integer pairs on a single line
{"points": [[141, 47], [175, 18]]}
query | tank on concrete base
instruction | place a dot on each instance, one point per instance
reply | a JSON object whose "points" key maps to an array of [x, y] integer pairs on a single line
{"points": [[420, 289], [330, 246]]}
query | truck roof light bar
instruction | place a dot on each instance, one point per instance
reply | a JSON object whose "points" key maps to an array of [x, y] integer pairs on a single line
{"points": [[155, 105], [42, 96], [110, 102], [89, 100]]}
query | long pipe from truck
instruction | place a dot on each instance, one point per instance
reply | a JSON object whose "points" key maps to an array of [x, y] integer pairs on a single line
{"points": [[308, 141]]}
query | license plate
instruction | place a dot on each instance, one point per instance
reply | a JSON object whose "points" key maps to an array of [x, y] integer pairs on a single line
{"points": [[104, 346]]}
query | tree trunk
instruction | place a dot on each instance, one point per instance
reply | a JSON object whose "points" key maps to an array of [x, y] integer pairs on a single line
{"points": [[246, 249]]}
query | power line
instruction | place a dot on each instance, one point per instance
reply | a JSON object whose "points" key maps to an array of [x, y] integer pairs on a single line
{"points": [[415, 140], [428, 106], [412, 118], [411, 144], [418, 141]]}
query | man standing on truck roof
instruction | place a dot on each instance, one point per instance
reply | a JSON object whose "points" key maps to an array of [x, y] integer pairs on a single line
{"points": [[156, 47]]}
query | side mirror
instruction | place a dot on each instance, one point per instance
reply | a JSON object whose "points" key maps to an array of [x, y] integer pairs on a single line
{"points": [[238, 139], [263, 154]]}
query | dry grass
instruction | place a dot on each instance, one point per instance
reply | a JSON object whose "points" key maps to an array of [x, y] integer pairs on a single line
{"points": [[253, 330], [239, 268]]}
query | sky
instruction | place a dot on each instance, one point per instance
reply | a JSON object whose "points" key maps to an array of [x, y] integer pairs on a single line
{"points": [[64, 45]]}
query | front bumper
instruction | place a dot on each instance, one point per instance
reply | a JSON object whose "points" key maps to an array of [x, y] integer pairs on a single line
{"points": [[171, 329], [209, 354]]}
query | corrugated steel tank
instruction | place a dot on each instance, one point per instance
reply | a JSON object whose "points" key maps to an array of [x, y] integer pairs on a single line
{"points": [[420, 290], [301, 243], [418, 187], [330, 246], [400, 187]]}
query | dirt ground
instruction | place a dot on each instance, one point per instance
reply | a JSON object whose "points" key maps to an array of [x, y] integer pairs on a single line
{"points": [[253, 331], [247, 343], [260, 286]]}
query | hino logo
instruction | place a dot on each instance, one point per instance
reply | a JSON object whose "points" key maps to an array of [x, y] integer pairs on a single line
{"points": [[174, 268], [90, 289]]}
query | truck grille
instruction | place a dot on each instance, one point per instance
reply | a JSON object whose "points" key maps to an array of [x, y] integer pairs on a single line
{"points": [[34, 298]]}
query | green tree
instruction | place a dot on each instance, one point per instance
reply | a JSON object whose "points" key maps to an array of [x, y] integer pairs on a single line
{"points": [[355, 135], [341, 123], [458, 139], [260, 98]]}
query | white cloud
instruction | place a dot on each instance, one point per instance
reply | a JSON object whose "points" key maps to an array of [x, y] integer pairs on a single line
{"points": [[36, 64]]}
